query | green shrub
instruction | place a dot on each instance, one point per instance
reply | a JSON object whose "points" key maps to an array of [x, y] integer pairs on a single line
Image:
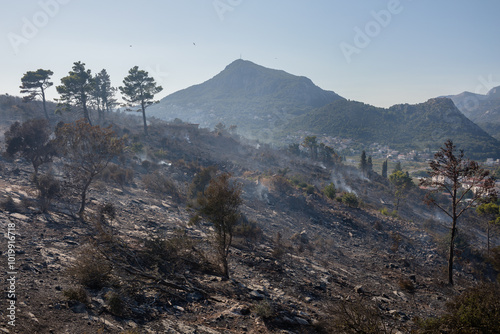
{"points": [[477, 310], [136, 147], [388, 213], [350, 199], [330, 191], [263, 309]]}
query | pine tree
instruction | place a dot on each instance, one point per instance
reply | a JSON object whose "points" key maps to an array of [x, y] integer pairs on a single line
{"points": [[139, 87], [76, 88], [397, 167], [34, 83]]}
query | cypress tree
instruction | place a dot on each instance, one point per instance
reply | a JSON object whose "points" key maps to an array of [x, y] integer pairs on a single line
{"points": [[363, 164], [384, 169]]}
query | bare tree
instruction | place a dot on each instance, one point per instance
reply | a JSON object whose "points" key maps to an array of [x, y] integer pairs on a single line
{"points": [[463, 180], [88, 150]]}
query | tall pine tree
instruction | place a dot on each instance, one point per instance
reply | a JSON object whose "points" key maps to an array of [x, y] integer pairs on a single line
{"points": [[76, 89], [139, 87], [34, 83]]}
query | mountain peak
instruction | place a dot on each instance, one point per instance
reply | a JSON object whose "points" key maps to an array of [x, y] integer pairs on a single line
{"points": [[251, 96], [241, 62], [442, 102]]}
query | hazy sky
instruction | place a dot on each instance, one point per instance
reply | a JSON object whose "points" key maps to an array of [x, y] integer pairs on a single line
{"points": [[380, 52]]}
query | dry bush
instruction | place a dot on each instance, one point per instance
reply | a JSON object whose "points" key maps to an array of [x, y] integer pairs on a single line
{"points": [[117, 174], [102, 221], [281, 185], [248, 229], [396, 241], [161, 185], [78, 294], [494, 259], [356, 316], [48, 188], [116, 304], [280, 247], [173, 254], [8, 204], [407, 285], [91, 269], [201, 181], [263, 309]]}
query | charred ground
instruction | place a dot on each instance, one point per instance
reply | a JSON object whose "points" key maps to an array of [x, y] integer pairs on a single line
{"points": [[299, 263]]}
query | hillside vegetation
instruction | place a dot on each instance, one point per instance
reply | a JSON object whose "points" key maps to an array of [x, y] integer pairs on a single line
{"points": [[269, 105], [483, 110], [419, 126]]}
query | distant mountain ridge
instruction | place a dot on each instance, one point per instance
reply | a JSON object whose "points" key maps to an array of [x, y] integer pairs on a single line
{"points": [[245, 94], [402, 126], [484, 110], [268, 104]]}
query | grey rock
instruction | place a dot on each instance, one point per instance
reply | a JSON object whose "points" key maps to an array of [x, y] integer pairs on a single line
{"points": [[256, 295], [301, 321], [78, 308], [359, 289]]}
